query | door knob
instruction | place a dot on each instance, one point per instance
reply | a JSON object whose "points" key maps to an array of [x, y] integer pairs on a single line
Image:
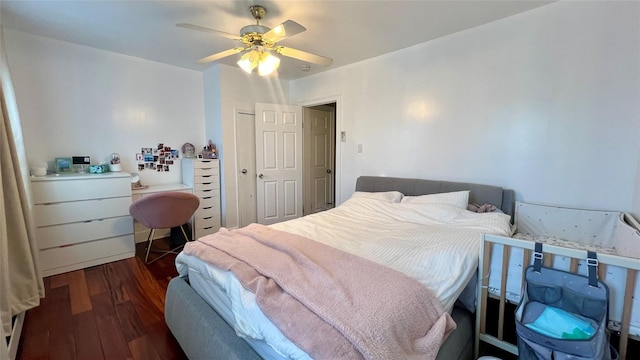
{"points": [[244, 171], [328, 171], [260, 176]]}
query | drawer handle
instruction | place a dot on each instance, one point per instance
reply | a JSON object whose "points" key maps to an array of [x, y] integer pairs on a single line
{"points": [[208, 217], [88, 221], [206, 183], [207, 197], [205, 190], [208, 227], [207, 208]]}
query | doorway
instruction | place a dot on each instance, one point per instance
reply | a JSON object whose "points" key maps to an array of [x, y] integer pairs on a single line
{"points": [[318, 158], [319, 162]]}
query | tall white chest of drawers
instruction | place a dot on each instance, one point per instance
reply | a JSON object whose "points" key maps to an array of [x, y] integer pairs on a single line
{"points": [[203, 175], [82, 220]]}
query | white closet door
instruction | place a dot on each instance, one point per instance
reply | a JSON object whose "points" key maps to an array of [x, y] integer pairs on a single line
{"points": [[278, 162]]}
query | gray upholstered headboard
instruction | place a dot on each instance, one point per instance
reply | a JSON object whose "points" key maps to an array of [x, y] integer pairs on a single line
{"points": [[479, 194]]}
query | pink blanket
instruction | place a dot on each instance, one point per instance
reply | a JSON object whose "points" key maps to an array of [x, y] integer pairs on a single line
{"points": [[329, 303]]}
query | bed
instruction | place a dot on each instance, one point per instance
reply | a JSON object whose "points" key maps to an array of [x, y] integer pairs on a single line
{"points": [[205, 333]]}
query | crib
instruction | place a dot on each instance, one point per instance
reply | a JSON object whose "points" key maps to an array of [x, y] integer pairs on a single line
{"points": [[567, 234]]}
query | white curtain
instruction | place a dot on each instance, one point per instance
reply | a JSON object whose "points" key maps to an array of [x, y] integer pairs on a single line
{"points": [[21, 285]]}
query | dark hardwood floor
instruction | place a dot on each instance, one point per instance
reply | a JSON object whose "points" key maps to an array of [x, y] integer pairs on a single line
{"points": [[110, 311]]}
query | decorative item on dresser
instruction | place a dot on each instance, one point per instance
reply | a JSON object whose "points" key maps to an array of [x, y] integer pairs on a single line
{"points": [[82, 220], [203, 175], [140, 231]]}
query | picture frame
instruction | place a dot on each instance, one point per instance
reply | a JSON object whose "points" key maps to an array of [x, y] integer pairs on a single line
{"points": [[63, 165]]}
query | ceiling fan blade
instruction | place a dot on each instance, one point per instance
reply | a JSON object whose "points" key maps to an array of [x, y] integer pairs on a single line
{"points": [[206, 29], [220, 55], [304, 56], [283, 31]]}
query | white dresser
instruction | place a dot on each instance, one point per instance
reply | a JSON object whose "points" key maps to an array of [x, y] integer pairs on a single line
{"points": [[82, 220], [203, 175], [141, 232]]}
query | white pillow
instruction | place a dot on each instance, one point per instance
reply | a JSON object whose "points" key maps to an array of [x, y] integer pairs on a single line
{"points": [[458, 199], [386, 196]]}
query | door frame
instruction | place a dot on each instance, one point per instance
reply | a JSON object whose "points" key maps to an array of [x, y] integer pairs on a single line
{"points": [[337, 99], [237, 178], [307, 152]]}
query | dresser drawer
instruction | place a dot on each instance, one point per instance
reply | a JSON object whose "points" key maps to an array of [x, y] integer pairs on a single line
{"points": [[209, 202], [66, 234], [207, 193], [76, 211], [76, 255], [211, 171], [206, 185], [207, 213], [205, 221], [206, 164], [54, 191]]}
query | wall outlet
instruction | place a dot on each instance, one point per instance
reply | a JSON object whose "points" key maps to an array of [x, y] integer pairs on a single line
{"points": [[343, 136], [359, 148]]}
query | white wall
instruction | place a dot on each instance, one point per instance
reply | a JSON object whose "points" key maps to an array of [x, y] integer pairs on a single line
{"points": [[77, 100], [546, 102], [229, 90]]}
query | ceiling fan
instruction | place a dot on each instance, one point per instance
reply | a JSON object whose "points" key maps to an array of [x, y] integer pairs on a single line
{"points": [[258, 41]]}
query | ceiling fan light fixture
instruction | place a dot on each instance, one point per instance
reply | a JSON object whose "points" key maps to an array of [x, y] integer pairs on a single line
{"points": [[249, 61], [268, 64], [259, 44]]}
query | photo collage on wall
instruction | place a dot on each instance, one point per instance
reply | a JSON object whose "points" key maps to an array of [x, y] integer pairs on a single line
{"points": [[160, 158]]}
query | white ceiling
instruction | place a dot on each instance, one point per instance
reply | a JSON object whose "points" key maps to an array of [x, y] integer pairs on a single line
{"points": [[346, 31]]}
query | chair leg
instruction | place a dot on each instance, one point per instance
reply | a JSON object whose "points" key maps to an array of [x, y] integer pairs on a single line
{"points": [[149, 242], [164, 252], [187, 238]]}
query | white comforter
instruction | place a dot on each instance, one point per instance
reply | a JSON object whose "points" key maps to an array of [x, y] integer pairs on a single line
{"points": [[437, 244]]}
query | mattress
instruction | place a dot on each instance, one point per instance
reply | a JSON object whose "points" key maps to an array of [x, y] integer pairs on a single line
{"points": [[191, 320], [437, 245]]}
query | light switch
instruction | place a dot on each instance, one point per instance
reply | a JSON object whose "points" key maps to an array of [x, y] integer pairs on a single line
{"points": [[343, 136], [359, 148]]}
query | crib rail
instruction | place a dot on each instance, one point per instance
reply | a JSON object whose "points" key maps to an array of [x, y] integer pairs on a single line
{"points": [[575, 255]]}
